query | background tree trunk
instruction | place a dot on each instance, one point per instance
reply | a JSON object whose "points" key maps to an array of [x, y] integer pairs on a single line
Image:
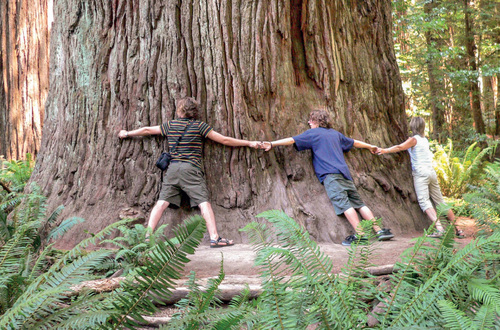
{"points": [[474, 91], [24, 59], [257, 68], [435, 85]]}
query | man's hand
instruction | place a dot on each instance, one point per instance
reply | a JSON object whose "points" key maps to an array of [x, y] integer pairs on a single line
{"points": [[123, 134], [255, 144]]}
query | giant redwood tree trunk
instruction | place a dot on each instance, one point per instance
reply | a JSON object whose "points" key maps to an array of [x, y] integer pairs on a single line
{"points": [[24, 63], [257, 67]]}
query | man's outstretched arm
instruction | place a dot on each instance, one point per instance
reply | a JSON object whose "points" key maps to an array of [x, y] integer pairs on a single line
{"points": [[143, 131], [231, 142]]}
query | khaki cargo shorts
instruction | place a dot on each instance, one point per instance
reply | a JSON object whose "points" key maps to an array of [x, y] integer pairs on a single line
{"points": [[183, 176]]}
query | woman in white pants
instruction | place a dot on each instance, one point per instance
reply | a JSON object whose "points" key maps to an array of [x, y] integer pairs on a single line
{"points": [[424, 176]]}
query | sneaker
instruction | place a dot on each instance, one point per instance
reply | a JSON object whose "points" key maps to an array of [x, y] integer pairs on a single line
{"points": [[436, 234], [459, 233], [384, 234], [353, 239]]}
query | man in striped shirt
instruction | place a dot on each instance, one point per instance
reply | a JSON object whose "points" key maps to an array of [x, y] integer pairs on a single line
{"points": [[185, 172]]}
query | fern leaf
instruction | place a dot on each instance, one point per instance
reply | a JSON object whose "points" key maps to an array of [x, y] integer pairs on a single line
{"points": [[155, 278], [64, 227], [486, 317], [484, 291], [454, 318]]}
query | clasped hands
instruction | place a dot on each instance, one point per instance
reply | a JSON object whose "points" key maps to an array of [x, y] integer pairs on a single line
{"points": [[266, 145]]}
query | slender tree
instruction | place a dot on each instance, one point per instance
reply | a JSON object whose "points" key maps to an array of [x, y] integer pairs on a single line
{"points": [[474, 91], [436, 87], [24, 59]]}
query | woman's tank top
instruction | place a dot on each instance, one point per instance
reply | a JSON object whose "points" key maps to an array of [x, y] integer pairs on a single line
{"points": [[421, 156]]}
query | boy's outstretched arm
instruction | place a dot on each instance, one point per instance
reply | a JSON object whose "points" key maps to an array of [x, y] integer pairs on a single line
{"points": [[360, 144], [267, 145], [143, 131]]}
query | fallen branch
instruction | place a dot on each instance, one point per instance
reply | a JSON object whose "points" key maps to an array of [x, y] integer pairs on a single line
{"points": [[5, 187]]}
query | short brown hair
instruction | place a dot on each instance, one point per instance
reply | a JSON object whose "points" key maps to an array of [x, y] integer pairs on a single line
{"points": [[417, 126], [321, 117], [188, 108]]}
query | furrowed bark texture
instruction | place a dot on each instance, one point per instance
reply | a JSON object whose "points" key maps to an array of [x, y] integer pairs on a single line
{"points": [[24, 63], [258, 68]]}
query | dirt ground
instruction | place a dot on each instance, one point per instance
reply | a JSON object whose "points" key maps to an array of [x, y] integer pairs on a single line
{"points": [[239, 258]]}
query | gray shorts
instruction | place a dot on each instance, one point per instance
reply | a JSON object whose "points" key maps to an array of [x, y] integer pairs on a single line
{"points": [[182, 176], [342, 193]]}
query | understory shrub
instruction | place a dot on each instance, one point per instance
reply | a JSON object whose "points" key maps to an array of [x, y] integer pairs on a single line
{"points": [[456, 174]]}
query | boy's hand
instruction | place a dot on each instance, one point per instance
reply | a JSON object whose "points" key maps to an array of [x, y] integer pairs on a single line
{"points": [[266, 145], [373, 149]]}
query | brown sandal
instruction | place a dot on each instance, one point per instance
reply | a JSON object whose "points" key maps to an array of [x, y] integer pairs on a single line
{"points": [[220, 242]]}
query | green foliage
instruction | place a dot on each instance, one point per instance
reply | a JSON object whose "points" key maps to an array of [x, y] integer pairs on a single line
{"points": [[435, 285], [485, 200], [430, 39], [135, 244], [15, 173], [456, 174], [147, 284], [38, 299], [202, 303]]}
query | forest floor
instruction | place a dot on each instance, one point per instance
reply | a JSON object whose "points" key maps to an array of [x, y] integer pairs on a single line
{"points": [[240, 270], [239, 258]]}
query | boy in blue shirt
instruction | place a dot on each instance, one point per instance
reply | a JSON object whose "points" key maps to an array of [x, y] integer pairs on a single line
{"points": [[328, 147]]}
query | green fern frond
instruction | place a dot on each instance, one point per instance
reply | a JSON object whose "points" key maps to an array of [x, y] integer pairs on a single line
{"points": [[311, 273], [55, 214], [454, 318], [20, 315], [483, 291], [487, 317], [86, 312], [423, 303], [155, 279], [39, 264], [64, 227], [39, 301], [93, 240], [198, 304]]}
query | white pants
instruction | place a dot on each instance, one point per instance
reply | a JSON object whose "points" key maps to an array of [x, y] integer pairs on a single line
{"points": [[427, 188]]}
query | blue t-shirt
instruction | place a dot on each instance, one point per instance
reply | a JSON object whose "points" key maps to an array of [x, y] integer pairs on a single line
{"points": [[328, 147]]}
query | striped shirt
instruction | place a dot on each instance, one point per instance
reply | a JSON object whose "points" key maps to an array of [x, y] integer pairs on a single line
{"points": [[190, 147]]}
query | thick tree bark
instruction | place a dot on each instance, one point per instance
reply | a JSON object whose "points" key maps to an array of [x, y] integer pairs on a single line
{"points": [[257, 68], [24, 59]]}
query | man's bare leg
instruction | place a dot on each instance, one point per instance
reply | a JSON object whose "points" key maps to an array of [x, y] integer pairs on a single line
{"points": [[156, 213], [208, 214]]}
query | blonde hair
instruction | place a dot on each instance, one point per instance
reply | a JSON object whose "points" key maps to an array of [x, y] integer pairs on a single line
{"points": [[321, 117], [417, 126]]}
